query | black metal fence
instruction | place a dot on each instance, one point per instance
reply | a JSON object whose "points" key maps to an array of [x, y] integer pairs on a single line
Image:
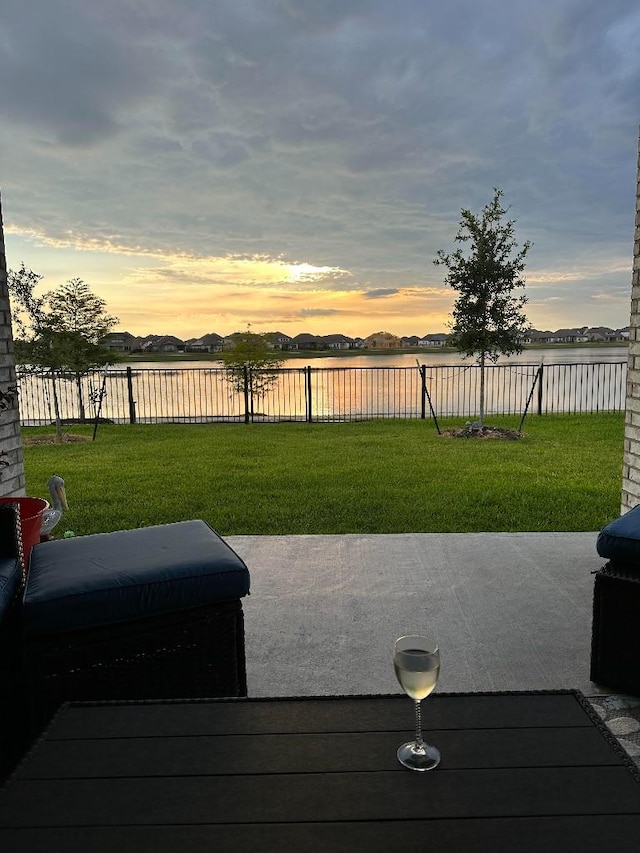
{"points": [[205, 395]]}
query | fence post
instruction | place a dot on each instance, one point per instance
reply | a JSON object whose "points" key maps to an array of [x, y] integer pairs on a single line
{"points": [[132, 402], [423, 376], [307, 393], [529, 398], [540, 376], [245, 370], [425, 390]]}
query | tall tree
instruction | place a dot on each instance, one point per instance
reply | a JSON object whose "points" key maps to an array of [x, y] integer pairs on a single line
{"points": [[79, 319], [488, 317], [59, 332], [250, 365]]}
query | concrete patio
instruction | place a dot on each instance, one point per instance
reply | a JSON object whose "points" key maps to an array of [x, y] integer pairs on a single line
{"points": [[511, 611]]}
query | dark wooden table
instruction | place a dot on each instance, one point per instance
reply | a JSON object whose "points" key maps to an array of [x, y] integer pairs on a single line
{"points": [[519, 772]]}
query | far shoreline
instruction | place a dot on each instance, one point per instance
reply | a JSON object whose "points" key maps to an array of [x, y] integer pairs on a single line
{"points": [[333, 353]]}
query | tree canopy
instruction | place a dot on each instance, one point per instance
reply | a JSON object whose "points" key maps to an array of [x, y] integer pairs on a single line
{"points": [[60, 329], [75, 308], [58, 332]]}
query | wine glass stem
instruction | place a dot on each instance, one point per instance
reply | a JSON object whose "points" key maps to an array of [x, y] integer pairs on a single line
{"points": [[419, 741]]}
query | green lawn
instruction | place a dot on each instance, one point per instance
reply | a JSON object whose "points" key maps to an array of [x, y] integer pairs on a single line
{"points": [[370, 477]]}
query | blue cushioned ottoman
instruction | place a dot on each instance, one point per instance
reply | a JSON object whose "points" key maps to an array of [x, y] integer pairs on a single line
{"points": [[619, 540], [152, 613], [615, 636]]}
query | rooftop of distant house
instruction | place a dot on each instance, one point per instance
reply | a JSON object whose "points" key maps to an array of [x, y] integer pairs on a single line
{"points": [[213, 342]]}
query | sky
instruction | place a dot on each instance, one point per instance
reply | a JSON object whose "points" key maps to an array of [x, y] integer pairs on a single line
{"points": [[295, 165]]}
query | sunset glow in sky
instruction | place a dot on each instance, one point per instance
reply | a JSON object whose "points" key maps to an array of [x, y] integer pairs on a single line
{"points": [[296, 164]]}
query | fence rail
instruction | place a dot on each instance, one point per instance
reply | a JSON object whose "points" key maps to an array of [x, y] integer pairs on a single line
{"points": [[205, 395]]}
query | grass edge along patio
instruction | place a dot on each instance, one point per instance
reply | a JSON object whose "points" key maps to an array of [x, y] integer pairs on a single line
{"points": [[379, 476]]}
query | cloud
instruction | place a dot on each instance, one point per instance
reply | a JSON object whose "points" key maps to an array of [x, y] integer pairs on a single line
{"points": [[319, 312], [341, 137], [380, 292], [67, 78]]}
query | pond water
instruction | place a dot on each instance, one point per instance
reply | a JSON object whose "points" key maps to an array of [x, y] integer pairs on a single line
{"points": [[547, 355], [580, 379]]}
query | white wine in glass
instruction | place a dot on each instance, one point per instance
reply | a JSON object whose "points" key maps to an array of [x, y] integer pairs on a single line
{"points": [[416, 661]]}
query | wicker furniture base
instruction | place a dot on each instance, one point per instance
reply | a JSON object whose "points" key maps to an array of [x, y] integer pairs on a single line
{"points": [[9, 690], [190, 653], [11, 585], [615, 639]]}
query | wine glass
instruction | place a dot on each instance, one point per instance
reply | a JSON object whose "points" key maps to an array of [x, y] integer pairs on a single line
{"points": [[416, 661]]}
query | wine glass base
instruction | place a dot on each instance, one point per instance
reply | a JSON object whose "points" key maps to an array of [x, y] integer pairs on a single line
{"points": [[418, 758]]}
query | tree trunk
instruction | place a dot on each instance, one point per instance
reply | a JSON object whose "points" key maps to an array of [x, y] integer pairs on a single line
{"points": [[81, 410], [481, 418], [56, 407]]}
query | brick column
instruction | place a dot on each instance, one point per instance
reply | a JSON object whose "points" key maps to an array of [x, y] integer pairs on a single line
{"points": [[631, 464], [12, 482]]}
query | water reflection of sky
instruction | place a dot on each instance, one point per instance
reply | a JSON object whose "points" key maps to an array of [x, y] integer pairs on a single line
{"points": [[580, 379]]}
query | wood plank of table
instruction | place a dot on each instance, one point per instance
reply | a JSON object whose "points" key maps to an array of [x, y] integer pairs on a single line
{"points": [[586, 833], [327, 753], [353, 796], [323, 714]]}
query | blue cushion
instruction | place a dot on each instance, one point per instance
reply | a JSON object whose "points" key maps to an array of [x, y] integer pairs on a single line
{"points": [[10, 574], [620, 539], [107, 578]]}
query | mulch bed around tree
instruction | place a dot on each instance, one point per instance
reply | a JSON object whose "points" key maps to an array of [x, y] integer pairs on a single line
{"points": [[51, 439], [487, 432]]}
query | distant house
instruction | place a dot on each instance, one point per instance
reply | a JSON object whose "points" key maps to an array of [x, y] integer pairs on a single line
{"points": [[533, 336], [207, 343], [409, 340], [561, 336], [570, 336], [148, 341], [305, 341], [337, 342], [604, 333], [277, 340], [230, 341], [436, 340], [163, 343], [599, 333], [121, 342], [382, 340], [125, 342]]}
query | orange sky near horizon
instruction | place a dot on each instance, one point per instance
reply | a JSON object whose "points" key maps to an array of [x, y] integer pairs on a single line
{"points": [[152, 292], [187, 296]]}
